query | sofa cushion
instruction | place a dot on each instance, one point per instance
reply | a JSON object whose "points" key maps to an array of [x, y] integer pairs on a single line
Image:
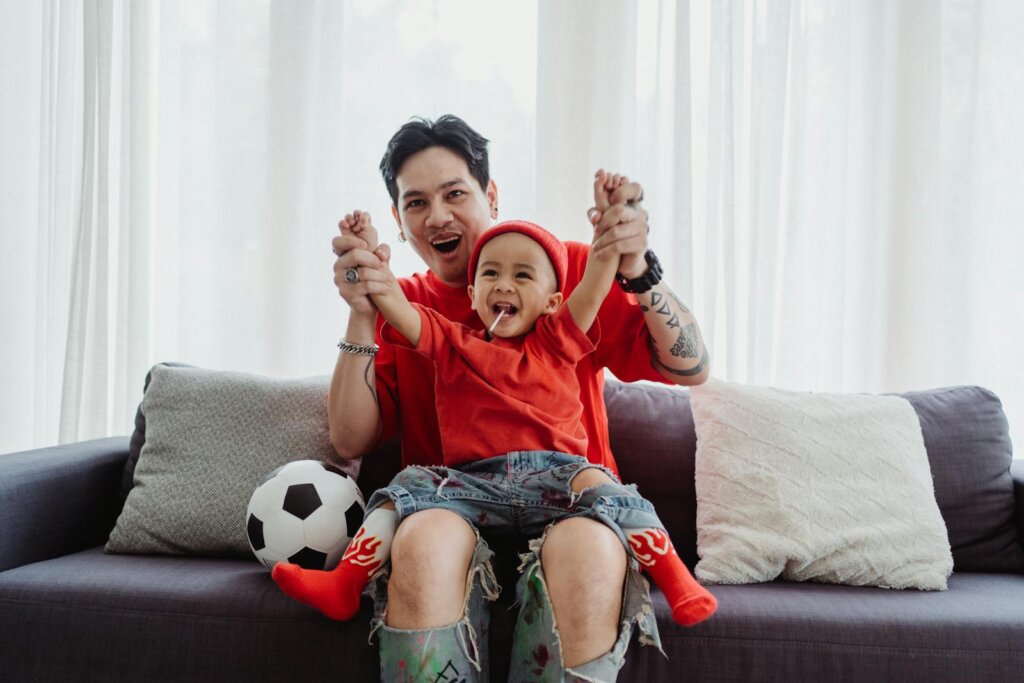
{"points": [[968, 442], [210, 438], [157, 618], [814, 487], [119, 617], [965, 434], [781, 631]]}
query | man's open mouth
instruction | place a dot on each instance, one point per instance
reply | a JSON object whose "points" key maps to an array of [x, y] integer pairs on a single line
{"points": [[448, 244]]}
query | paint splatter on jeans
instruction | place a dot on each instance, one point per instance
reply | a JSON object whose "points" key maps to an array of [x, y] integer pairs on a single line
{"points": [[525, 493], [451, 653]]}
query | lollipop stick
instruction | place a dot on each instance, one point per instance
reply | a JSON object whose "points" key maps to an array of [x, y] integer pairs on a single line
{"points": [[497, 320]]}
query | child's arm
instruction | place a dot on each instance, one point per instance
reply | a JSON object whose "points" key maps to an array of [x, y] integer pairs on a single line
{"points": [[388, 296], [586, 299], [397, 310]]}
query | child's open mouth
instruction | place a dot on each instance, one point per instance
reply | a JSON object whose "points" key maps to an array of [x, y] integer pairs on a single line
{"points": [[508, 309]]}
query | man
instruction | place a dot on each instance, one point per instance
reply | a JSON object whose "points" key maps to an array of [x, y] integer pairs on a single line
{"points": [[443, 200]]}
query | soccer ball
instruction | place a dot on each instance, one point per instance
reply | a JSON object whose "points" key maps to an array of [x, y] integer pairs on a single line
{"points": [[305, 513]]}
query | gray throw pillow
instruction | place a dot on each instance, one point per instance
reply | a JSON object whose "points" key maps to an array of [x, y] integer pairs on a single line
{"points": [[210, 439]]}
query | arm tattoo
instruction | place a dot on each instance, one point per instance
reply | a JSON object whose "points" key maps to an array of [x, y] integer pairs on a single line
{"points": [[660, 299], [679, 302], [661, 306], [695, 370], [369, 377], [686, 344]]}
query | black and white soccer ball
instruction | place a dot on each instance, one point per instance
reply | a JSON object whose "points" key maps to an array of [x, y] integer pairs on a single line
{"points": [[305, 513]]}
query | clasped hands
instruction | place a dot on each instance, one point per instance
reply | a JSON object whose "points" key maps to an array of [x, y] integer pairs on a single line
{"points": [[620, 231]]}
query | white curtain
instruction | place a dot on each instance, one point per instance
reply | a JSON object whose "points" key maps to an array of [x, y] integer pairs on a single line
{"points": [[834, 186]]}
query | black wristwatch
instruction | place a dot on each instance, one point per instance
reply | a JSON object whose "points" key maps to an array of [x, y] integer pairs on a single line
{"points": [[639, 285]]}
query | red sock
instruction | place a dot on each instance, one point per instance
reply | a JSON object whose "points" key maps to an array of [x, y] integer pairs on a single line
{"points": [[691, 603], [337, 592]]}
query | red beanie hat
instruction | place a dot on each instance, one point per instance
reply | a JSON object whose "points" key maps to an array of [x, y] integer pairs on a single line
{"points": [[553, 246]]}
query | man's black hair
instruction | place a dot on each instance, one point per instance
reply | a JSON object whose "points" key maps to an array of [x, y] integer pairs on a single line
{"points": [[449, 132]]}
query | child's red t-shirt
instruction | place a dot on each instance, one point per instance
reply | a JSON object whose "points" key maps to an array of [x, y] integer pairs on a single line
{"points": [[499, 395], [405, 378]]}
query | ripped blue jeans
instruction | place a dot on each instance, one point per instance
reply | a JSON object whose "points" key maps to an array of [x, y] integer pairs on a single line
{"points": [[522, 492]]}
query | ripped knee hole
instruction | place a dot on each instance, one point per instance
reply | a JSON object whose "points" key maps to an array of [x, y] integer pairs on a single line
{"points": [[588, 479]]}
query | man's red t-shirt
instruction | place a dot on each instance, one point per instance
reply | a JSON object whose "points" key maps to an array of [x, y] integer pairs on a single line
{"points": [[498, 395], [405, 378]]}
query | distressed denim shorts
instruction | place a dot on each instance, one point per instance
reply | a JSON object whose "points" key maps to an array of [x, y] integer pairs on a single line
{"points": [[518, 494]]}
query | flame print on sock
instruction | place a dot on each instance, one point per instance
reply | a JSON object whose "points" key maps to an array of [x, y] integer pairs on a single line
{"points": [[362, 550], [647, 544]]}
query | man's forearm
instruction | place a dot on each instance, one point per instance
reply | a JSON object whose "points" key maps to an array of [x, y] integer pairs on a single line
{"points": [[677, 347], [353, 409]]}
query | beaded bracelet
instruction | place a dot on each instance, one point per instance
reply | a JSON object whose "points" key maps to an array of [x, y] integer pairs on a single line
{"points": [[358, 349]]}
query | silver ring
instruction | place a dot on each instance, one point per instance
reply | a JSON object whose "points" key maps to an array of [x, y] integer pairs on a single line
{"points": [[351, 276]]}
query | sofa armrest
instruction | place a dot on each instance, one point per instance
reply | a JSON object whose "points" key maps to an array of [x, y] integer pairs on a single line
{"points": [[1017, 472], [59, 500]]}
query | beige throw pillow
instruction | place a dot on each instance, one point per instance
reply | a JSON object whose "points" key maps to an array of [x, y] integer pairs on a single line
{"points": [[814, 487]]}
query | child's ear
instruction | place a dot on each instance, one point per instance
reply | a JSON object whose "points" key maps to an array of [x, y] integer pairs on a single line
{"points": [[472, 301], [554, 301]]}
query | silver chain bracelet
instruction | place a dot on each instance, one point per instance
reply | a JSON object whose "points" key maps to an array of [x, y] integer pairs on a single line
{"points": [[358, 349]]}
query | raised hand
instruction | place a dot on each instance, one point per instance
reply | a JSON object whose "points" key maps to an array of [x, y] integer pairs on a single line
{"points": [[360, 268], [604, 185], [358, 223], [620, 224]]}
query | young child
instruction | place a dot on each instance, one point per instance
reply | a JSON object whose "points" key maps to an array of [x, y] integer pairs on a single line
{"points": [[517, 379]]}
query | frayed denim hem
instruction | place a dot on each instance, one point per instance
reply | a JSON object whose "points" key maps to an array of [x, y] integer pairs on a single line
{"points": [[454, 652], [537, 649]]}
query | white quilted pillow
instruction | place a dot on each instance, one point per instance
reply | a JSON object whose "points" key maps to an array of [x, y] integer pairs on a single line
{"points": [[814, 487]]}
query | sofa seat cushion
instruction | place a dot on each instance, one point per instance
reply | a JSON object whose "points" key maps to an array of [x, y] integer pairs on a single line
{"points": [[821, 632], [121, 617], [148, 617]]}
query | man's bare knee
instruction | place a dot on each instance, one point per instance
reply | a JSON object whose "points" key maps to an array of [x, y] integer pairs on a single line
{"points": [[430, 560], [589, 478]]}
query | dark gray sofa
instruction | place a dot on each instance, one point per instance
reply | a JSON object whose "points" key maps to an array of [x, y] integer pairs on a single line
{"points": [[68, 611]]}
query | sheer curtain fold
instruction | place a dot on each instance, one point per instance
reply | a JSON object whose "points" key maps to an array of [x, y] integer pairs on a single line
{"points": [[106, 343], [585, 85], [848, 165], [832, 186]]}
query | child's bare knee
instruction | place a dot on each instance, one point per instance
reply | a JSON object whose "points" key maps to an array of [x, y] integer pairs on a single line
{"points": [[589, 478]]}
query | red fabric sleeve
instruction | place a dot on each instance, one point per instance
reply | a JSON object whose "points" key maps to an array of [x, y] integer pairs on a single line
{"points": [[436, 333], [624, 347], [558, 337]]}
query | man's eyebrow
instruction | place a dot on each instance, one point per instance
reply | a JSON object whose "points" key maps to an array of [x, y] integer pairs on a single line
{"points": [[419, 193]]}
